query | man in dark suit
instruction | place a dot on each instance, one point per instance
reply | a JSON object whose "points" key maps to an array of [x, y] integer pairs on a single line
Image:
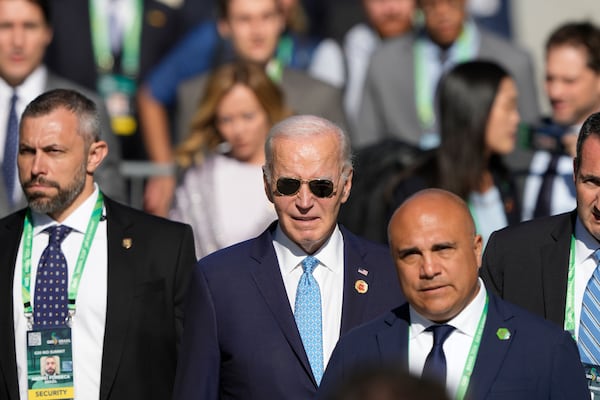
{"points": [[452, 329], [547, 265], [25, 37], [246, 332], [126, 310], [399, 91], [110, 46]]}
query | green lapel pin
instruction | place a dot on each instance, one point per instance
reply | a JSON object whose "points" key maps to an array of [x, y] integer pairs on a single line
{"points": [[503, 334]]}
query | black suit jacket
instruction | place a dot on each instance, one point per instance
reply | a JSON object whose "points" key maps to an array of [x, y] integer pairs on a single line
{"points": [[240, 338], [144, 310], [71, 54], [527, 264]]}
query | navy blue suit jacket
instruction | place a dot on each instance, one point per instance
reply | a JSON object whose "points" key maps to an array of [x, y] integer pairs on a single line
{"points": [[240, 336], [538, 361]]}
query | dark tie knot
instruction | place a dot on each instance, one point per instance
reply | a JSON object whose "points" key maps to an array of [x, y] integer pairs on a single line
{"points": [[309, 264], [440, 333], [57, 233]]}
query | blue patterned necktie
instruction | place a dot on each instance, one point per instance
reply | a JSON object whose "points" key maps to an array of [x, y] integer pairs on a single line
{"points": [[589, 323], [308, 316], [435, 364], [51, 297], [9, 162]]}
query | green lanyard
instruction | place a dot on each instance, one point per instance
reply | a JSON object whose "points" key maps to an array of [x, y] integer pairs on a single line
{"points": [[81, 259], [131, 40], [424, 86], [570, 304], [472, 356]]}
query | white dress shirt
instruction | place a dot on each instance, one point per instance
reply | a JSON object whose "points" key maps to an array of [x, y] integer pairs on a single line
{"points": [[329, 274], [88, 323], [123, 12], [585, 245], [456, 347]]}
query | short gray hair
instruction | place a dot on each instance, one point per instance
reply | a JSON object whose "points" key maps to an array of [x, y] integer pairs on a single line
{"points": [[304, 126], [84, 109]]}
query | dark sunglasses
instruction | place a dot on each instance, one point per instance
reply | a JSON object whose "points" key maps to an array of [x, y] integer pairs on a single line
{"points": [[319, 187]]}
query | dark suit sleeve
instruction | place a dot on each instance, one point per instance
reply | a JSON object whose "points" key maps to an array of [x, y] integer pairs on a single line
{"points": [[491, 271], [568, 377], [199, 362], [186, 258]]}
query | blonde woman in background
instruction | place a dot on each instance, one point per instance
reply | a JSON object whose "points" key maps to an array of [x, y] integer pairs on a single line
{"points": [[221, 194]]}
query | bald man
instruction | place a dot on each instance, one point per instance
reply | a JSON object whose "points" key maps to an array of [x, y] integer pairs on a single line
{"points": [[452, 329]]}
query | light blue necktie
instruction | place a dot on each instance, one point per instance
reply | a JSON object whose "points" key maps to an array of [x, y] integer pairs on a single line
{"points": [[9, 163], [308, 316], [589, 324]]}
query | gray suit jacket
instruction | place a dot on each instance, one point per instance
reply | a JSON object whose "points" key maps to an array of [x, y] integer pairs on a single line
{"points": [[303, 94], [108, 177], [388, 108]]}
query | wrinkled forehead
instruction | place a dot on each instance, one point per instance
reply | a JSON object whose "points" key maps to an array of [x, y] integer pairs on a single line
{"points": [[307, 156]]}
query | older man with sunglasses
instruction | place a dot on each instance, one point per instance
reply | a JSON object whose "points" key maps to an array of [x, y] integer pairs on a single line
{"points": [[263, 316]]}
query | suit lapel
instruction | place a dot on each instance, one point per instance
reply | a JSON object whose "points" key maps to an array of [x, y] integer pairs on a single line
{"points": [[267, 276], [554, 268], [492, 350], [393, 341], [10, 237], [357, 280], [121, 274]]}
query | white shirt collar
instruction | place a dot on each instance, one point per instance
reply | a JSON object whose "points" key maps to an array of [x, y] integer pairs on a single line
{"points": [[585, 243], [292, 255], [466, 321], [77, 220], [31, 87]]}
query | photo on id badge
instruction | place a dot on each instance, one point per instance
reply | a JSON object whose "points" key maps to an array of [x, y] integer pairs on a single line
{"points": [[50, 364]]}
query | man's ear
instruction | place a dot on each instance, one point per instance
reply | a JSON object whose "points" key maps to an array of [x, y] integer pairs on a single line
{"points": [[267, 185], [96, 154], [347, 186]]}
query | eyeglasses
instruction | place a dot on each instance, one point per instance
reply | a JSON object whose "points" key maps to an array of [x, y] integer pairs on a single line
{"points": [[319, 187]]}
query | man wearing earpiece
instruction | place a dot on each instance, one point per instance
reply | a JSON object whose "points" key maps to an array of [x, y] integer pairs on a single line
{"points": [[263, 316]]}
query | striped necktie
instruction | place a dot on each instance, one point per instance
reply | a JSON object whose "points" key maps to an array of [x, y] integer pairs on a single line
{"points": [[589, 324], [308, 316]]}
